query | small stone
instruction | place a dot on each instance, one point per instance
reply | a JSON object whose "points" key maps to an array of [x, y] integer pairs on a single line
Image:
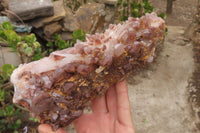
{"points": [[66, 35], [51, 29], [30, 9], [55, 116], [59, 13], [109, 17]]}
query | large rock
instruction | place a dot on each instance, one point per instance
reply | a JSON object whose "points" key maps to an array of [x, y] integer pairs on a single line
{"points": [[90, 16], [70, 22], [29, 9], [59, 13], [51, 29]]}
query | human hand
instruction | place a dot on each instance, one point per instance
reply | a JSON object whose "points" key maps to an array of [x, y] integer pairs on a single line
{"points": [[110, 114]]}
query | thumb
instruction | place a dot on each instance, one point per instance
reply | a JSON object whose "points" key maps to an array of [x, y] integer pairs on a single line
{"points": [[45, 128]]}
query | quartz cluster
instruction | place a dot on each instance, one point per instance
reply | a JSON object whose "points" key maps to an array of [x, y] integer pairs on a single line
{"points": [[56, 88]]}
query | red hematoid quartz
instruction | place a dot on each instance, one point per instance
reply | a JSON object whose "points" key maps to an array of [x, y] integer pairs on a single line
{"points": [[56, 88]]}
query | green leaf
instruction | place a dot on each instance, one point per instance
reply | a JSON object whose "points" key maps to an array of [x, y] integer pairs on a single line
{"points": [[2, 113], [28, 51], [7, 68], [166, 31], [162, 15], [39, 54], [2, 121], [3, 37], [18, 122], [15, 131], [78, 34], [33, 119], [7, 26], [2, 125], [134, 4], [9, 110], [36, 44], [51, 50], [68, 5], [138, 8], [37, 57], [2, 94], [25, 45], [119, 3], [50, 44], [12, 38], [29, 39], [17, 112], [15, 125], [125, 4], [10, 126], [124, 18], [59, 42]]}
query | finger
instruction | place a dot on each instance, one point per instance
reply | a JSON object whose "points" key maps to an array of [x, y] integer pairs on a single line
{"points": [[99, 105], [123, 105], [111, 100], [80, 123], [45, 128]]}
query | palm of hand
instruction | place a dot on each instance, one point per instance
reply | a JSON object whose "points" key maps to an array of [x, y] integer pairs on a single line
{"points": [[111, 114]]}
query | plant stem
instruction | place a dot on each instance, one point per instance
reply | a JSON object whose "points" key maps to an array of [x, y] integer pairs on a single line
{"points": [[3, 104], [21, 58], [2, 55], [27, 60], [18, 18], [6, 85], [20, 107], [129, 8], [2, 38]]}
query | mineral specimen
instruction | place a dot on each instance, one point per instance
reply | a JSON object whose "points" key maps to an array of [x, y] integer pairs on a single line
{"points": [[56, 88]]}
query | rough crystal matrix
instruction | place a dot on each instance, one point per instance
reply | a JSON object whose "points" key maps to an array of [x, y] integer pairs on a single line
{"points": [[56, 88]]}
